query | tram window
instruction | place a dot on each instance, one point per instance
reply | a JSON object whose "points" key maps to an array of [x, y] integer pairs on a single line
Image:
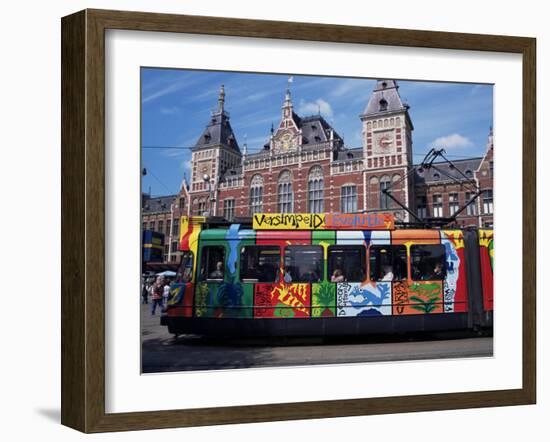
{"points": [[212, 263], [303, 264], [428, 262], [347, 263], [388, 263], [260, 263], [185, 271]]}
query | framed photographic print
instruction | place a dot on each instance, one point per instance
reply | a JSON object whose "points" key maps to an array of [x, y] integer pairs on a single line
{"points": [[267, 221]]}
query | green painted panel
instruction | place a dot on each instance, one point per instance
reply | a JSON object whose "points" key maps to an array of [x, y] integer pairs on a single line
{"points": [[215, 235], [247, 310], [207, 302], [323, 296], [230, 298], [318, 236], [323, 300], [324, 238], [241, 294]]}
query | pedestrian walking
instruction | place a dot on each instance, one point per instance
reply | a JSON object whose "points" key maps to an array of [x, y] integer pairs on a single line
{"points": [[166, 293], [158, 291], [144, 292]]}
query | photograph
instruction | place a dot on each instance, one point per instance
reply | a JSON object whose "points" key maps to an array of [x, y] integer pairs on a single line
{"points": [[268, 220], [298, 220], [274, 222]]}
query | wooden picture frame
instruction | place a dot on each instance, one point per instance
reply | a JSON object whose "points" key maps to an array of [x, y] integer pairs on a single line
{"points": [[83, 220]]}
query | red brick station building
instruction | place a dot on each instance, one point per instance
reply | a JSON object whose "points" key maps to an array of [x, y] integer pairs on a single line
{"points": [[305, 166]]}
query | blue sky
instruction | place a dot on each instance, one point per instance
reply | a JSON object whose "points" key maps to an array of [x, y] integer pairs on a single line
{"points": [[176, 106]]}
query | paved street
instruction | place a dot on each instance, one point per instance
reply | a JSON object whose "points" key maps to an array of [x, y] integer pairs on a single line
{"points": [[161, 352]]}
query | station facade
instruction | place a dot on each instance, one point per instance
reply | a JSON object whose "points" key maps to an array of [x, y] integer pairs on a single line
{"points": [[305, 166]]}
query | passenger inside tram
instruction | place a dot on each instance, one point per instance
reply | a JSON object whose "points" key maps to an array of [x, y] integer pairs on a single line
{"points": [[337, 276], [218, 272], [388, 273]]}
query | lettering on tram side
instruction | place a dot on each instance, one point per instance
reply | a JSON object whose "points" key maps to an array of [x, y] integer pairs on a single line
{"points": [[323, 221], [400, 296], [342, 297], [288, 220], [359, 221], [449, 296], [360, 299]]}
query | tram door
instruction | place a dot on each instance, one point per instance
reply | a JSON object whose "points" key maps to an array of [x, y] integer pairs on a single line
{"points": [[211, 280]]}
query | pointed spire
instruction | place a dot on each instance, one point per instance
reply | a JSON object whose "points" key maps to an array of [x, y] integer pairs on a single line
{"points": [[288, 100], [384, 98], [218, 131], [287, 109], [490, 138], [385, 84], [221, 99], [245, 146]]}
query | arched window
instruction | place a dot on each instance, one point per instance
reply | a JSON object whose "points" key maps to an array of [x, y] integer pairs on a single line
{"points": [[285, 197], [256, 194], [315, 190], [385, 184]]}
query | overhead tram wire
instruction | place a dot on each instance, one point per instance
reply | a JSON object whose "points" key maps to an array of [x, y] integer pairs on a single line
{"points": [[148, 171]]}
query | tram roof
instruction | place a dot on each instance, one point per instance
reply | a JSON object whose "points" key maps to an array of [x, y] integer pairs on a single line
{"points": [[271, 237]]}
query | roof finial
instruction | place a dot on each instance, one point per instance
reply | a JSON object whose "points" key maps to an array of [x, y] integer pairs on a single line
{"points": [[490, 138], [287, 95], [221, 99]]}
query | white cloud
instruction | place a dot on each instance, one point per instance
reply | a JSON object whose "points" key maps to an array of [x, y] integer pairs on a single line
{"points": [[313, 108], [259, 95], [187, 166], [174, 153], [452, 142], [171, 88], [351, 87], [169, 110]]}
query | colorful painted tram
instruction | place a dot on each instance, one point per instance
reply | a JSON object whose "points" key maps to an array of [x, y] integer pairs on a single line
{"points": [[329, 274]]}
